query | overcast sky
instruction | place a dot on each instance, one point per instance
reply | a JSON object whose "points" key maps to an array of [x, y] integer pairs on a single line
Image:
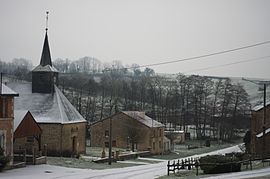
{"points": [[142, 32]]}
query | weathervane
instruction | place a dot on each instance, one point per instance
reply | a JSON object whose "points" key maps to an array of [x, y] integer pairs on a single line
{"points": [[47, 19]]}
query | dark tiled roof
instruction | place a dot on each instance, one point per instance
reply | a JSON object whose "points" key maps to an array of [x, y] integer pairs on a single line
{"points": [[45, 108], [46, 55]]}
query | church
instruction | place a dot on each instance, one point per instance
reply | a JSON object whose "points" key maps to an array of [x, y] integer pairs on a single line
{"points": [[55, 122]]}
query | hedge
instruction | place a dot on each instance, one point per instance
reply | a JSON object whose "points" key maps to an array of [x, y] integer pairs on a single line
{"points": [[219, 164]]}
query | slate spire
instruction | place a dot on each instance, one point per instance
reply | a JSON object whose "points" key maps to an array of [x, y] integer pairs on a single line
{"points": [[46, 55]]}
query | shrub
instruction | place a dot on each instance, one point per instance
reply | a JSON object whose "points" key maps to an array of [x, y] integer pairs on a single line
{"points": [[219, 164], [207, 143]]}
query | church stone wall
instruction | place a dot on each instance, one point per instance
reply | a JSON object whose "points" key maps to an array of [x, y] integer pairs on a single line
{"points": [[64, 139]]}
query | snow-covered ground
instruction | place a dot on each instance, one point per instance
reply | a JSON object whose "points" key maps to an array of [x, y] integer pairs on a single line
{"points": [[53, 172]]}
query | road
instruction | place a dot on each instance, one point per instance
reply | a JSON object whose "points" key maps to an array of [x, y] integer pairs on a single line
{"points": [[135, 172]]}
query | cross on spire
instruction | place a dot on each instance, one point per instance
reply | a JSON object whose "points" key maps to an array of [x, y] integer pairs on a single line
{"points": [[47, 19]]}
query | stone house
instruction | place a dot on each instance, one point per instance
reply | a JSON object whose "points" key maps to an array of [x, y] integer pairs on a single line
{"points": [[257, 137], [63, 128], [6, 120], [130, 130]]}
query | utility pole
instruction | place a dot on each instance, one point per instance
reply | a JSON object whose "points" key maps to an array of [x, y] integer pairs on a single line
{"points": [[264, 118], [257, 82], [110, 143], [1, 78]]}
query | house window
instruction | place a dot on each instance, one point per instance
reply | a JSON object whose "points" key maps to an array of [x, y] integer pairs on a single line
{"points": [[160, 145], [160, 131], [154, 146], [154, 133], [114, 143], [106, 144], [106, 133], [2, 107], [2, 142]]}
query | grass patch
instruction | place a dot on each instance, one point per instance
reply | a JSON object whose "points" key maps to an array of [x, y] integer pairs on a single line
{"points": [[84, 164], [181, 151], [96, 151]]}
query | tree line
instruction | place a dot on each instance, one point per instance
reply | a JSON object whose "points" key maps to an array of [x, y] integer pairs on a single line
{"points": [[213, 106]]}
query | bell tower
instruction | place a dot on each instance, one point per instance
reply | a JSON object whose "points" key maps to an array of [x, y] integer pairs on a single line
{"points": [[44, 76]]}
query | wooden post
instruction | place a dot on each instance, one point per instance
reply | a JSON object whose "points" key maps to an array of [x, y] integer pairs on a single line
{"points": [[34, 155], [197, 167], [168, 167], [183, 164], [250, 162], [24, 155], [45, 150], [189, 166]]}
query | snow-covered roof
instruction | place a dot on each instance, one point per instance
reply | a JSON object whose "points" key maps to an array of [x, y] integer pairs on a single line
{"points": [[177, 132], [46, 68], [7, 91], [45, 108], [259, 107], [261, 134], [18, 117], [142, 118]]}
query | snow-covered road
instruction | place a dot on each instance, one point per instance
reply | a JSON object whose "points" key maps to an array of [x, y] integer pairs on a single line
{"points": [[135, 172]]}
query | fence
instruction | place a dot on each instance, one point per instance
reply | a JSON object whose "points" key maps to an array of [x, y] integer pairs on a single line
{"points": [[188, 163], [35, 157]]}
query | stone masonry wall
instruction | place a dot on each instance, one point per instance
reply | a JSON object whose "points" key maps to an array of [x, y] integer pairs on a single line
{"points": [[59, 138], [123, 127]]}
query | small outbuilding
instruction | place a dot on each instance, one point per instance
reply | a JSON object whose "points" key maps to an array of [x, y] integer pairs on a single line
{"points": [[27, 134]]}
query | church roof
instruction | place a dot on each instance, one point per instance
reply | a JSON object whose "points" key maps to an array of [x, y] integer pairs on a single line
{"points": [[46, 68], [45, 108], [45, 61], [46, 55]]}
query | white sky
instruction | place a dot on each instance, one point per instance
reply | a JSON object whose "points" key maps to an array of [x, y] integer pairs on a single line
{"points": [[142, 32]]}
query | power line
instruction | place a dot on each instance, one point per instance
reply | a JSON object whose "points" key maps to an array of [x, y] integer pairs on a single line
{"points": [[227, 64], [200, 56]]}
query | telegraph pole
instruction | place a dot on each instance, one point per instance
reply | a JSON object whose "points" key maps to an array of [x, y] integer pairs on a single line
{"points": [[110, 143], [1, 78], [264, 118]]}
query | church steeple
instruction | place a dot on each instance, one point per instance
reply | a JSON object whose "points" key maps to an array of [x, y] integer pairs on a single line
{"points": [[44, 76], [46, 55]]}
